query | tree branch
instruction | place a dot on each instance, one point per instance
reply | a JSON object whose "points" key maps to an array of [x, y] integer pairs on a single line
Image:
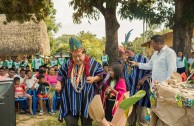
{"points": [[99, 6]]}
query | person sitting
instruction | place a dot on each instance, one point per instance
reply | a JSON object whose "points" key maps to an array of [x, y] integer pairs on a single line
{"points": [[31, 82], [52, 78], [11, 74], [22, 75], [20, 92], [2, 73], [42, 92]]}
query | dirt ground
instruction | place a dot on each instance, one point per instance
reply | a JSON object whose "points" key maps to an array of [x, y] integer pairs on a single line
{"points": [[28, 120]]}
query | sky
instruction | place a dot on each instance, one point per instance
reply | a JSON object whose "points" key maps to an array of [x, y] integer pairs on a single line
{"points": [[64, 16]]}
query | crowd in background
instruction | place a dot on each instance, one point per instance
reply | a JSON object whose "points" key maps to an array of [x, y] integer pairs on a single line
{"points": [[131, 72], [29, 76]]}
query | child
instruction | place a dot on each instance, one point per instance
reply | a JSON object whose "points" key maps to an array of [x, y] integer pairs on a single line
{"points": [[115, 87], [42, 92], [20, 92]]}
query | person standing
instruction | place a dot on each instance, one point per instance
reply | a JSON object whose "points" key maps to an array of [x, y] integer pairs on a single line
{"points": [[115, 87], [61, 60], [137, 79], [37, 62], [25, 61], [104, 58], [9, 63], [181, 63], [16, 64], [162, 62], [78, 80], [1, 62], [53, 61]]}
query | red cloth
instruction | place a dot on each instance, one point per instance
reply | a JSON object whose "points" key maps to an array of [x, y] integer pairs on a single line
{"points": [[184, 76]]}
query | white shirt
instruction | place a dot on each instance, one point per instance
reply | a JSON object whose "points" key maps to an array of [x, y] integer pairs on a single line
{"points": [[105, 58], [61, 60], [37, 63], [190, 61], [22, 80], [30, 82], [179, 62], [162, 64]]}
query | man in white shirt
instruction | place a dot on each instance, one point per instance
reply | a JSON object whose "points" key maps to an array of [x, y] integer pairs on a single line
{"points": [[31, 82], [37, 62], [22, 76], [61, 60], [11, 74], [162, 62]]}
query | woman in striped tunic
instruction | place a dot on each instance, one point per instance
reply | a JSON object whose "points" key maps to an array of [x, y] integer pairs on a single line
{"points": [[78, 80]]}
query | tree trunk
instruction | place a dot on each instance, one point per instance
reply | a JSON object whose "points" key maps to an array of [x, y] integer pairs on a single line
{"points": [[111, 27], [182, 32]]}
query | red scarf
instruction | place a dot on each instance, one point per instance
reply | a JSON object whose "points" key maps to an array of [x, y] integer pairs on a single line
{"points": [[86, 64]]}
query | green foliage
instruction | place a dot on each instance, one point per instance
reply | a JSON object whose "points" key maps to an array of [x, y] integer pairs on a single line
{"points": [[153, 11], [125, 104], [89, 42], [92, 45], [136, 44], [61, 44], [25, 10]]}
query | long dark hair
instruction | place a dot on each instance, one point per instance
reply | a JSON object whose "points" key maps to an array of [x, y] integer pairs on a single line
{"points": [[118, 73], [182, 55]]}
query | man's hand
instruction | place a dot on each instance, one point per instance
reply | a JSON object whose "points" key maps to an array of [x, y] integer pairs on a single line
{"points": [[133, 63], [140, 83], [36, 81], [90, 80]]}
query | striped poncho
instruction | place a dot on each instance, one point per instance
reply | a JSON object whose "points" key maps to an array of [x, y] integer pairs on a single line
{"points": [[133, 78], [74, 103]]}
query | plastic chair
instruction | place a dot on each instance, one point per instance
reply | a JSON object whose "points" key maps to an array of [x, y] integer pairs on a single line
{"points": [[55, 100], [33, 94], [23, 101], [35, 100]]}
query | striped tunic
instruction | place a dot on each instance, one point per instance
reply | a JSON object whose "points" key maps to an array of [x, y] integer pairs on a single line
{"points": [[73, 103], [133, 78]]}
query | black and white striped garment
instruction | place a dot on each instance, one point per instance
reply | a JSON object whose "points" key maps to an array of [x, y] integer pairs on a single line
{"points": [[74, 103]]}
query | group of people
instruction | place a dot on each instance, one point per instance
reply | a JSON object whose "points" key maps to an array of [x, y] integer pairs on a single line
{"points": [[27, 81], [79, 79], [183, 65], [38, 77], [35, 64]]}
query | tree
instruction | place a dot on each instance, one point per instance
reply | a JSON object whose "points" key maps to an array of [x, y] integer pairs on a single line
{"points": [[25, 10], [162, 11], [183, 26], [141, 9], [89, 42]]}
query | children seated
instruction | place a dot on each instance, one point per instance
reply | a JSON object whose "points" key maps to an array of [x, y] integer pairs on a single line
{"points": [[20, 92], [43, 92]]}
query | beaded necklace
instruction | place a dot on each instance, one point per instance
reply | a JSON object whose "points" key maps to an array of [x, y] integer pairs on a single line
{"points": [[76, 78]]}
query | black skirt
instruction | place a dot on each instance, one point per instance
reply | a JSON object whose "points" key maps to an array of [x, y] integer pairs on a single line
{"points": [[181, 70], [108, 111]]}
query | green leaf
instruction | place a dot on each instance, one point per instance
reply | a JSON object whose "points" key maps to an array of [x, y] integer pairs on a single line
{"points": [[125, 104]]}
